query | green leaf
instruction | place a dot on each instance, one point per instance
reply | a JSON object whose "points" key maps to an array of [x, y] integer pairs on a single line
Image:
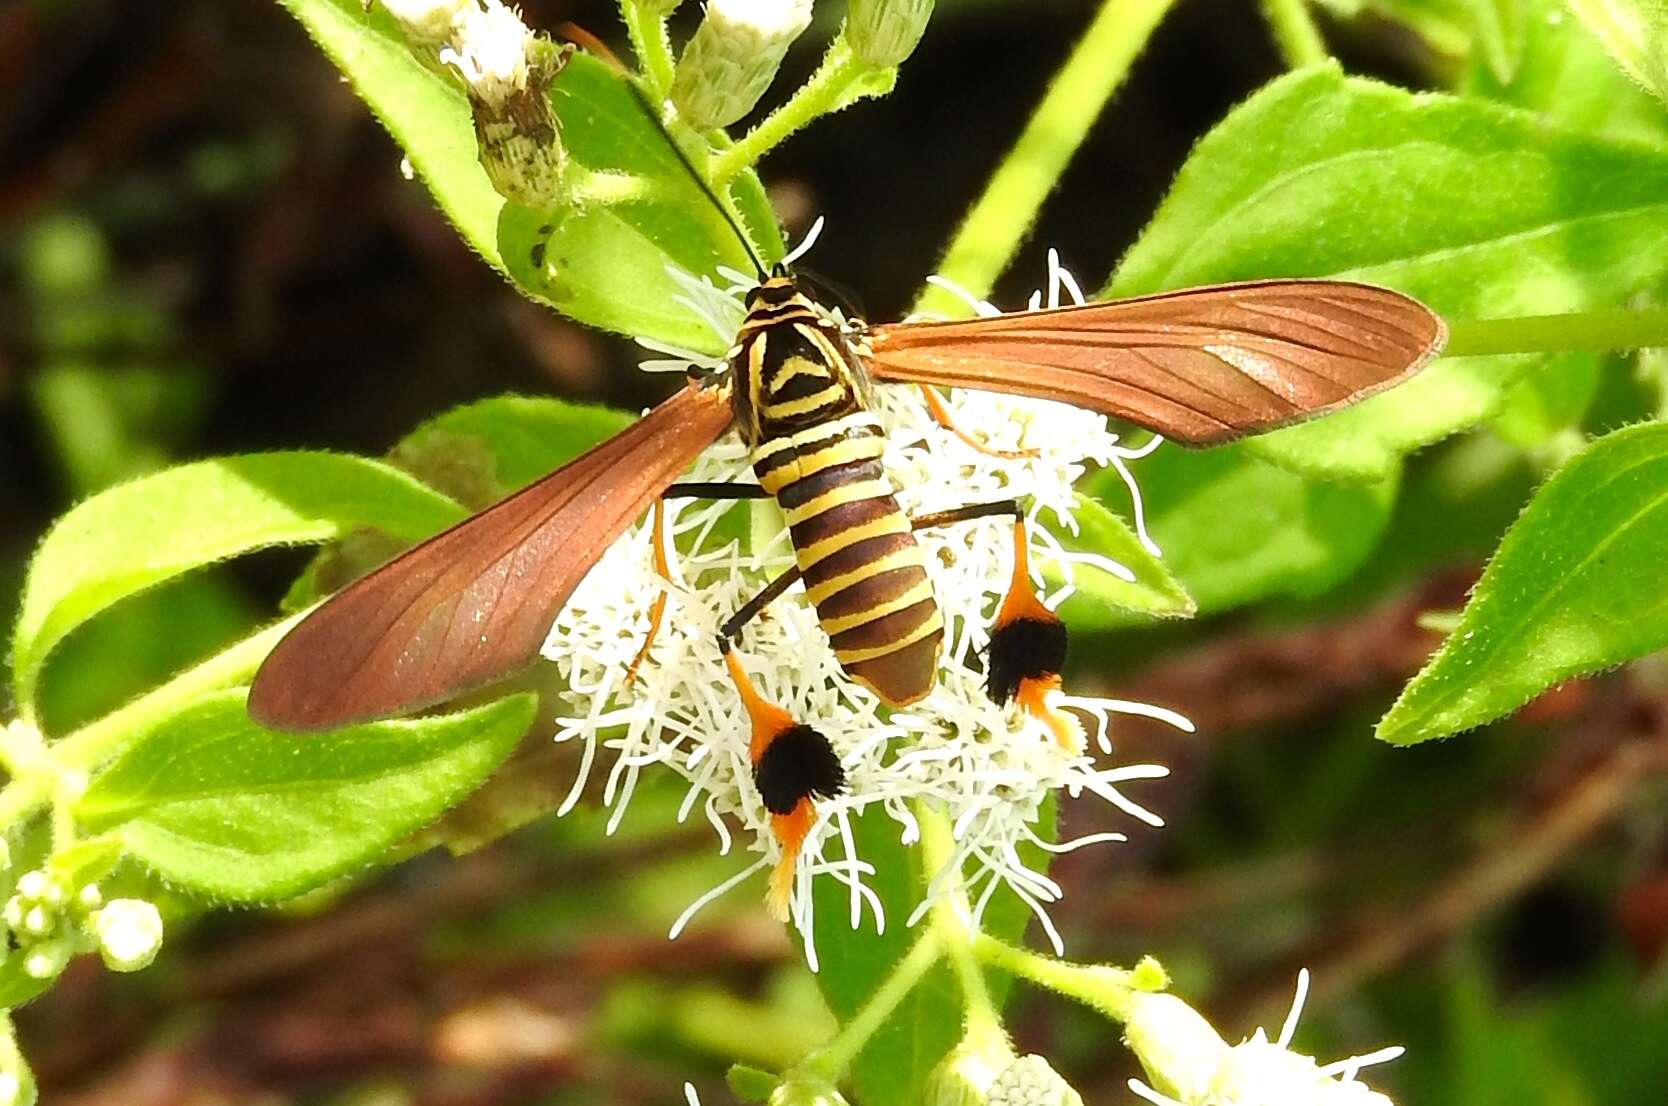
{"points": [[1498, 25], [603, 259], [1566, 76], [1477, 209], [1552, 398], [893, 1068], [520, 439], [143, 533], [1579, 584], [1236, 529], [1100, 592], [427, 113], [213, 803], [1636, 34]]}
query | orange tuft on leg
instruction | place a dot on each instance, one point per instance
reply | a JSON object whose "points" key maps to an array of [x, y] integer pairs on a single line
{"points": [[791, 830], [1033, 699]]}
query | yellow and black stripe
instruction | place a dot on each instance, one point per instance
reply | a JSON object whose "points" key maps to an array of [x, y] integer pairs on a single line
{"points": [[803, 401]]}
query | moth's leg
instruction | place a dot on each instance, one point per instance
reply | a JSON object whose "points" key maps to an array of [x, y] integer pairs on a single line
{"points": [[941, 415], [687, 490], [1028, 641], [793, 764]]}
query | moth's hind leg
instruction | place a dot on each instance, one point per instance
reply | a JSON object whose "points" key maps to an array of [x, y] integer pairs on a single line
{"points": [[941, 415], [687, 490], [793, 764], [1028, 641]]}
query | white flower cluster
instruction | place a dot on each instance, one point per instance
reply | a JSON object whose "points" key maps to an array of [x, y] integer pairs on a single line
{"points": [[989, 768], [1197, 1067], [485, 40]]}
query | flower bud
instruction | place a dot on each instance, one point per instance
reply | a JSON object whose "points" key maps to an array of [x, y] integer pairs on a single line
{"points": [[1175, 1044], [517, 135], [129, 933], [883, 33], [964, 1077], [427, 24], [48, 958], [733, 56], [799, 1090], [1030, 1081]]}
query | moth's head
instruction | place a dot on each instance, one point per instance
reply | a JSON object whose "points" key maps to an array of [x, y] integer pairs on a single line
{"points": [[777, 288]]}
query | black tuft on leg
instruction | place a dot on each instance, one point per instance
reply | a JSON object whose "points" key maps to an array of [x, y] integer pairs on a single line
{"points": [[798, 764], [1027, 648]]}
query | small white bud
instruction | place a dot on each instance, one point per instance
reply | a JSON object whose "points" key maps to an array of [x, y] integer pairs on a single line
{"points": [[733, 56], [129, 933], [1030, 1081], [46, 961], [33, 885], [37, 921], [11, 1089], [1175, 1044], [13, 913], [90, 897], [885, 32]]}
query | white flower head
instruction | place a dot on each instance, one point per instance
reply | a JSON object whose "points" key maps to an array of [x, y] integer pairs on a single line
{"points": [[490, 46], [1196, 1067], [732, 58], [989, 768]]}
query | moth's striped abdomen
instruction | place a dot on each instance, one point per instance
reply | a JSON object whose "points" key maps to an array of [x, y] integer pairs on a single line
{"points": [[817, 450]]}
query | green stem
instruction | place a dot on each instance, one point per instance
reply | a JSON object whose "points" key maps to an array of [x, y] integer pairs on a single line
{"points": [[831, 1061], [999, 220], [1580, 332], [826, 91], [950, 919], [98, 741], [1295, 32], [652, 45], [1097, 986]]}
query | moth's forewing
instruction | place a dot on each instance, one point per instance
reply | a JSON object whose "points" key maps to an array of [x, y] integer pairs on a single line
{"points": [[1201, 366], [475, 603]]}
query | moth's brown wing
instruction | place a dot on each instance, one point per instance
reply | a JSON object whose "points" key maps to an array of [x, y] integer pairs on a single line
{"points": [[474, 603], [1201, 366]]}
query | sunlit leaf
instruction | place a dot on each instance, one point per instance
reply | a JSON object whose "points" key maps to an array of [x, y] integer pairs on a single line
{"points": [[1579, 584], [140, 534], [212, 802]]}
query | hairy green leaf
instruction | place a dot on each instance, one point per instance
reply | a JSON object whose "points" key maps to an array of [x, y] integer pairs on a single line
{"points": [[521, 438], [1636, 34], [1478, 209], [1235, 529], [140, 534], [1579, 583], [211, 802], [1101, 598]]}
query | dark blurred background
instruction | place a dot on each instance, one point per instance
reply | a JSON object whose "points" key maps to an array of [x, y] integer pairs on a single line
{"points": [[207, 246]]}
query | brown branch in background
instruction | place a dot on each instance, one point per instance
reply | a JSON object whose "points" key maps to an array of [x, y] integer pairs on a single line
{"points": [[1626, 746]]}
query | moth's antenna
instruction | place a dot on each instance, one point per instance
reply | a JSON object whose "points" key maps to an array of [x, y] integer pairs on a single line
{"points": [[700, 181]]}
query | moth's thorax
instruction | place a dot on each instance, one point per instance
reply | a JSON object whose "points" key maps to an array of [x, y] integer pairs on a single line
{"points": [[793, 365]]}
